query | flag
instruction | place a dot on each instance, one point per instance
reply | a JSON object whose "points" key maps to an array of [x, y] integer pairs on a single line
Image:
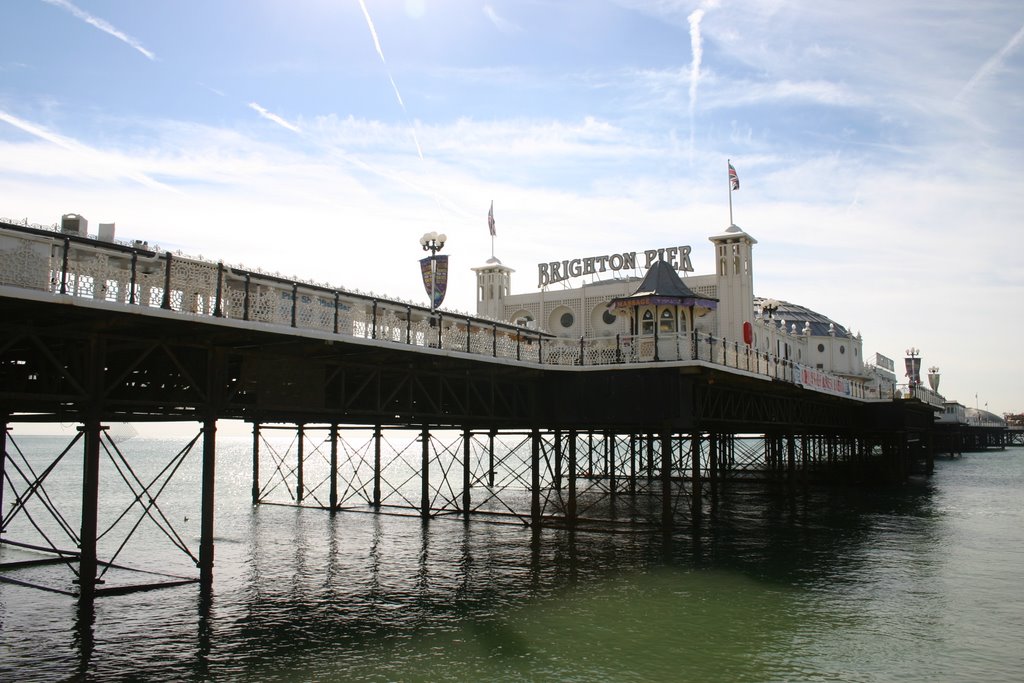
{"points": [[435, 278], [734, 179], [490, 219]]}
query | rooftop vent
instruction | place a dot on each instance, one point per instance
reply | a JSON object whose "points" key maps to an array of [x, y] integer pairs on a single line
{"points": [[73, 224]]}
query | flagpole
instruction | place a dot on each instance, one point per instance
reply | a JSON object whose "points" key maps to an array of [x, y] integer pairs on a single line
{"points": [[490, 227], [728, 179]]}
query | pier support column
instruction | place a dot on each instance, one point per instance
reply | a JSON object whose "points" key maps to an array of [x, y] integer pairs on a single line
{"points": [[425, 474], [716, 455], [790, 456], [490, 458], [805, 462], [333, 500], [649, 438], [207, 494], [300, 483], [695, 470], [632, 464], [535, 478], [666, 480], [590, 453], [570, 508], [713, 456], [90, 509], [609, 464], [467, 437], [3, 466], [377, 434], [558, 459], [255, 463]]}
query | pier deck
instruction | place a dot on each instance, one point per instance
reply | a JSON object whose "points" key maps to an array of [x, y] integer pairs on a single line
{"points": [[488, 418]]}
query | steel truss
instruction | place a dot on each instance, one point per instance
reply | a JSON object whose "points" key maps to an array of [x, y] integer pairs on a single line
{"points": [[534, 477], [42, 519], [546, 477], [730, 409]]}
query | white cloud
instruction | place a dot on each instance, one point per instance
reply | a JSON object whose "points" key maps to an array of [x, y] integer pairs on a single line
{"points": [[102, 25], [500, 23], [993, 63], [883, 204], [741, 93], [270, 116], [85, 160]]}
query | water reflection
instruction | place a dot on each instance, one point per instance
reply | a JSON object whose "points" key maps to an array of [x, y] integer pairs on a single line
{"points": [[375, 596], [801, 584], [83, 638]]}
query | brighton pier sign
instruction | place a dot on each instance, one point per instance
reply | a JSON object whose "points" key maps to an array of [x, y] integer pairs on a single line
{"points": [[559, 271]]}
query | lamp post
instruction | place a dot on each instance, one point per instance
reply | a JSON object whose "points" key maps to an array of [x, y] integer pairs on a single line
{"points": [[433, 242], [913, 369]]}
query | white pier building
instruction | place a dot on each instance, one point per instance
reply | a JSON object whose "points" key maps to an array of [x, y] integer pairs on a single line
{"points": [[608, 301]]}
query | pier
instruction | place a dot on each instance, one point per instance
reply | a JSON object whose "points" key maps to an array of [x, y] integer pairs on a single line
{"points": [[393, 407]]}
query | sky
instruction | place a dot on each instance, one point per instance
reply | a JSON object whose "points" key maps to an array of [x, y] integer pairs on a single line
{"points": [[878, 146]]}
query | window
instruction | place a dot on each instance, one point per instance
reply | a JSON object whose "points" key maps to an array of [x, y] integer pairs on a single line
{"points": [[609, 318], [821, 348], [647, 323], [567, 320], [842, 349], [667, 321]]}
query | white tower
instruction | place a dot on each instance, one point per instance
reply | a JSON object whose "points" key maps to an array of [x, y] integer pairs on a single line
{"points": [[735, 277], [493, 284]]}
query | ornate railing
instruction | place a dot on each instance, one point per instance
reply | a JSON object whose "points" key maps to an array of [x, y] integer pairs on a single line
{"points": [[45, 259]]}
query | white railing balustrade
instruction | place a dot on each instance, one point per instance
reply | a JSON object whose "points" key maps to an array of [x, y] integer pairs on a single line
{"points": [[44, 259]]}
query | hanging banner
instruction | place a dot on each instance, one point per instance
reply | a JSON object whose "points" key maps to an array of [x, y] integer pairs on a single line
{"points": [[816, 380], [435, 279], [913, 370]]}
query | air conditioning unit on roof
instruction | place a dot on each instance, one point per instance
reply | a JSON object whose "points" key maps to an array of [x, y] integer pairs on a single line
{"points": [[73, 224]]}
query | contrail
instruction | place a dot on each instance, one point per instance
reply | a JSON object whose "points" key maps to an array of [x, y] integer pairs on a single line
{"points": [[380, 53], [101, 25], [270, 116], [77, 147], [698, 53], [41, 133], [993, 63]]}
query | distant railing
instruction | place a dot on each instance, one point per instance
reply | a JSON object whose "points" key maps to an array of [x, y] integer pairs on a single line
{"points": [[45, 259]]}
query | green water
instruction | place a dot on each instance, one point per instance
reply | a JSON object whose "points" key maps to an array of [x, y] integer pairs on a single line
{"points": [[921, 583]]}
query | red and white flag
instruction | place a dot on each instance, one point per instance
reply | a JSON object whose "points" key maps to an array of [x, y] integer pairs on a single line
{"points": [[733, 178]]}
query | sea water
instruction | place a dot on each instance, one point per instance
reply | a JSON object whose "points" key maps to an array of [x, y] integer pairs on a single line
{"points": [[924, 582]]}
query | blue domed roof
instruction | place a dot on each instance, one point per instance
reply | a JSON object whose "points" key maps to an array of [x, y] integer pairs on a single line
{"points": [[801, 315]]}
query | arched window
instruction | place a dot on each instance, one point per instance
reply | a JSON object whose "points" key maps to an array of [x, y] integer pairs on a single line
{"points": [[647, 322], [667, 321]]}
